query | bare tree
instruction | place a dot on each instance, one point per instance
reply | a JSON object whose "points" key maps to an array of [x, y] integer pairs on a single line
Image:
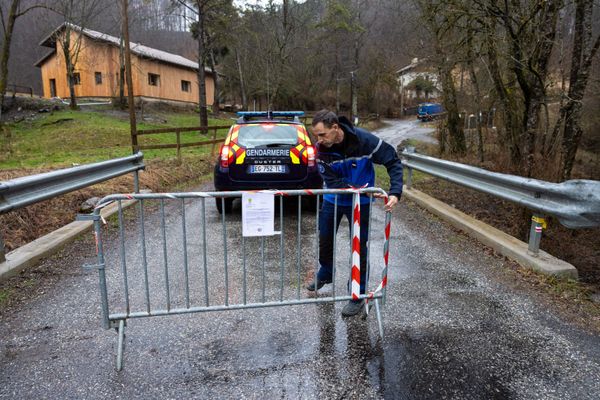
{"points": [[203, 10], [9, 14], [77, 16], [442, 26], [584, 51]]}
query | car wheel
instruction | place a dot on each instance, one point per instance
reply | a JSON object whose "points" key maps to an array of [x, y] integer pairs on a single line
{"points": [[310, 203], [228, 205]]}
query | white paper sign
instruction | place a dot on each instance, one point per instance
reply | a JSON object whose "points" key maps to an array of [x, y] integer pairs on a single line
{"points": [[258, 214]]}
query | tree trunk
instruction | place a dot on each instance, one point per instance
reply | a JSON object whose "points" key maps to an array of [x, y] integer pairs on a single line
{"points": [[455, 131], [12, 16], [130, 99], [216, 102], [507, 102], [242, 84], [66, 47], [201, 73], [121, 73], [478, 99], [583, 54]]}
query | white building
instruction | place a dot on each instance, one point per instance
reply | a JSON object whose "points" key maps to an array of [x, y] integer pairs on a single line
{"points": [[413, 82]]}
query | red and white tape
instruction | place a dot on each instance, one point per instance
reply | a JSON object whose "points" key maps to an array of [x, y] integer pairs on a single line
{"points": [[356, 248]]}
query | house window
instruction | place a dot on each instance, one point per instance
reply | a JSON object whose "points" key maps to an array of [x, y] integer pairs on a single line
{"points": [[186, 86], [76, 78], [98, 76], [52, 87], [153, 79]]}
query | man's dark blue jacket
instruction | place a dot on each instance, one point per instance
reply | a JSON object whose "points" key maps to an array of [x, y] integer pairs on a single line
{"points": [[350, 163]]}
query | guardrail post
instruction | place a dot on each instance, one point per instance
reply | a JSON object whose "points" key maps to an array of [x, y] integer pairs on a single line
{"points": [[535, 233], [136, 181], [2, 256], [409, 177]]}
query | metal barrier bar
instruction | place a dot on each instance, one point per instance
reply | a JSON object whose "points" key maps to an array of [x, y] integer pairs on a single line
{"points": [[262, 266], [144, 257], [335, 225], [165, 251], [102, 273], [317, 242], [185, 256], [203, 200], [163, 261], [282, 262], [244, 269], [123, 257], [225, 252], [298, 246]]}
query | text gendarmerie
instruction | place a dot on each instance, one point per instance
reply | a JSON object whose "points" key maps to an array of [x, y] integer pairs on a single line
{"points": [[268, 152]]}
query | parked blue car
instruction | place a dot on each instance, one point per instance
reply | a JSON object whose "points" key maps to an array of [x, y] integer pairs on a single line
{"points": [[429, 111]]}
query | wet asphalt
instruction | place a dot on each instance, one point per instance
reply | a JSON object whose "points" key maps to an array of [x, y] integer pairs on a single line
{"points": [[454, 327]]}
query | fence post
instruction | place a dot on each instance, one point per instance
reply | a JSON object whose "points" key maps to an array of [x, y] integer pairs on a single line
{"points": [[538, 223], [2, 256], [178, 132], [212, 151]]}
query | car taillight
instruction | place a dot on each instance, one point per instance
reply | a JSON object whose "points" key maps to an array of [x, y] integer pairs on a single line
{"points": [[310, 153], [225, 156]]}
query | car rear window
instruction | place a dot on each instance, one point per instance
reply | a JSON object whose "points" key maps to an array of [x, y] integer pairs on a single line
{"points": [[263, 135]]}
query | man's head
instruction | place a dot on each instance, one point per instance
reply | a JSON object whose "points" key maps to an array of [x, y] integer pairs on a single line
{"points": [[326, 127]]}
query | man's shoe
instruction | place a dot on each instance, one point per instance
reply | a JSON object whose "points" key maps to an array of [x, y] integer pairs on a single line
{"points": [[320, 284], [352, 308]]}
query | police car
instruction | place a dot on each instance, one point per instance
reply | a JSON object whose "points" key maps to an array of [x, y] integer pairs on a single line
{"points": [[266, 150]]}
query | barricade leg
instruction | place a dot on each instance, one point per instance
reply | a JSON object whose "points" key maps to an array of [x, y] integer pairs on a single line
{"points": [[120, 344]]}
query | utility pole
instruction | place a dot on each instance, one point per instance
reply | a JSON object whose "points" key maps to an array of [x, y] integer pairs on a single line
{"points": [[354, 96], [131, 104]]}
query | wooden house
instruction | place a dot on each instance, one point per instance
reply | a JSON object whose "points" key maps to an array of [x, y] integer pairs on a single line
{"points": [[156, 74]]}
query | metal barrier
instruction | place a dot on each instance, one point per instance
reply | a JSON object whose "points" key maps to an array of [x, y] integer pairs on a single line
{"points": [[575, 203], [154, 276], [27, 190]]}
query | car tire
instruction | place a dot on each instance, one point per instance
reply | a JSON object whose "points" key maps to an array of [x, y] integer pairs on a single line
{"points": [[228, 205], [310, 203]]}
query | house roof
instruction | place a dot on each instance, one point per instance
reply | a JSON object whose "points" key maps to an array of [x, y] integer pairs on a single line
{"points": [[136, 48], [414, 64]]}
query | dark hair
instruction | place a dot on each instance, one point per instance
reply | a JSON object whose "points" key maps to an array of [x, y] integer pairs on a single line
{"points": [[328, 118]]}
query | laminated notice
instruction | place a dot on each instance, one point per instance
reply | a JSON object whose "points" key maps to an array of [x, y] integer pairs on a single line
{"points": [[258, 214]]}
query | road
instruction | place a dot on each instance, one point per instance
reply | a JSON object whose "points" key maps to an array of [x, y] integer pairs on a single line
{"points": [[396, 131], [455, 326]]}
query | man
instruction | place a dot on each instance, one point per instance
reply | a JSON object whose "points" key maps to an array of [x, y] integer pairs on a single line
{"points": [[345, 158]]}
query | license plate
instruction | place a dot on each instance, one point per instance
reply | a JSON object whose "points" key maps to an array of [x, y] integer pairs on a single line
{"points": [[267, 169]]}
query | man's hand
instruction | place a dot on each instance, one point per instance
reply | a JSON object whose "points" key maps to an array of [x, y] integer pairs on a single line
{"points": [[392, 201]]}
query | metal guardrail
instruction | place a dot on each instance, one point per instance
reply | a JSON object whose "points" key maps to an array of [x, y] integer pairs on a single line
{"points": [[27, 190], [575, 203]]}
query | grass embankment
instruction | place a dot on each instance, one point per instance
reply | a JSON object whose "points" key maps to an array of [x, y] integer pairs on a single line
{"points": [[62, 138]]}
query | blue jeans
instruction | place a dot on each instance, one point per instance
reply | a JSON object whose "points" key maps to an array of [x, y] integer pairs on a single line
{"points": [[328, 224]]}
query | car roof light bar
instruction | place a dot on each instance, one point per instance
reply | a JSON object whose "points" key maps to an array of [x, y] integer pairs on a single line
{"points": [[246, 115]]}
